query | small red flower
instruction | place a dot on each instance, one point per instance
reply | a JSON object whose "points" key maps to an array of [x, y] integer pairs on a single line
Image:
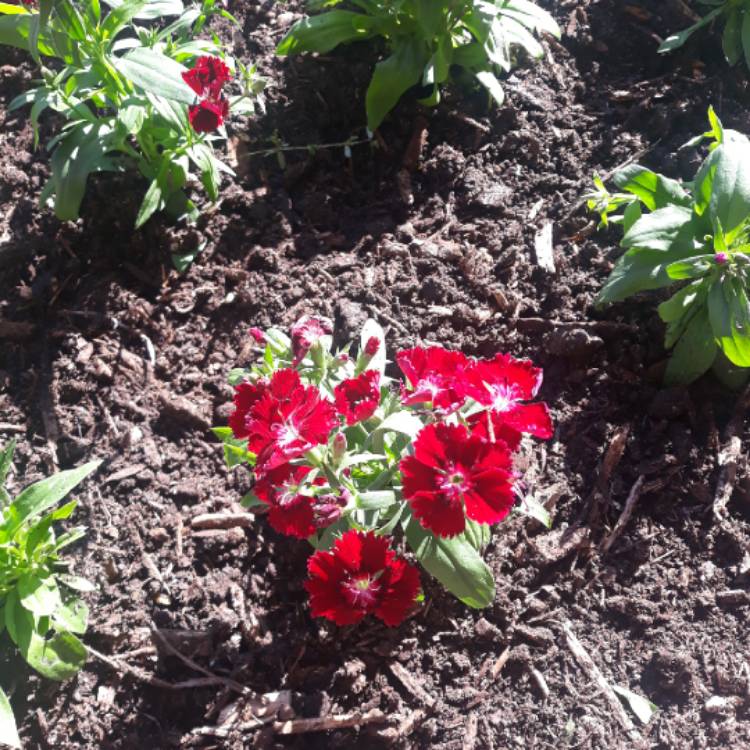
{"points": [[361, 576], [287, 420], [436, 375], [246, 395], [258, 335], [454, 474], [305, 332], [372, 346], [357, 398], [500, 430], [290, 512], [207, 77], [208, 115], [502, 384]]}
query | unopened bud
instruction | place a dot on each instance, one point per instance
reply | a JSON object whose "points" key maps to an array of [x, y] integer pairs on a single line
{"points": [[258, 335], [339, 447], [721, 258], [372, 346]]}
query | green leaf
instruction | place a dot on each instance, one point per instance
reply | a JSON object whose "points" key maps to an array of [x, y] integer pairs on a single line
{"points": [[402, 421], [251, 500], [76, 583], [654, 190], [325, 32], [746, 38], [691, 268], [149, 205], [72, 616], [731, 39], [730, 189], [393, 77], [637, 271], [56, 658], [376, 499], [40, 596], [18, 621], [455, 563], [6, 460], [730, 320], [530, 506], [8, 731], [677, 40], [644, 709], [679, 303], [17, 31], [694, 353], [489, 80], [155, 73], [42, 495], [661, 229]]}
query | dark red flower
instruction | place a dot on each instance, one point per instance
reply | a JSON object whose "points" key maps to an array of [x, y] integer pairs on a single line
{"points": [[372, 345], [208, 115], [357, 398], [500, 431], [305, 332], [436, 376], [502, 384], [454, 474], [361, 576], [245, 396], [290, 512], [207, 77], [287, 420]]}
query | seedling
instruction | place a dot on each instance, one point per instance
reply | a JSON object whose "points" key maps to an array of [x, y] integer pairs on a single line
{"points": [[41, 611], [425, 39], [695, 237]]}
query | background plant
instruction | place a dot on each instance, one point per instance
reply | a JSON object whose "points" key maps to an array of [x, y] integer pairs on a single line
{"points": [[116, 75], [735, 39], [425, 39], [694, 236], [344, 459], [41, 611]]}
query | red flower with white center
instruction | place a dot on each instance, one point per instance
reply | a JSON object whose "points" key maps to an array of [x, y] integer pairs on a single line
{"points": [[436, 376], [361, 576], [306, 332], [287, 420], [502, 384], [357, 398], [454, 474], [208, 114], [207, 77], [290, 511], [246, 395]]}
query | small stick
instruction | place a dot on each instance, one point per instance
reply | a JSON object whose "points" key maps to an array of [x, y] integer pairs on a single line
{"points": [[470, 734], [6, 427], [325, 723], [502, 660], [594, 673], [539, 680], [226, 520], [407, 680], [728, 457], [635, 493]]}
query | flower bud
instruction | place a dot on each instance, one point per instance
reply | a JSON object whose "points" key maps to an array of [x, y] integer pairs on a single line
{"points": [[721, 258], [372, 346], [339, 448], [327, 509], [306, 332], [257, 335]]}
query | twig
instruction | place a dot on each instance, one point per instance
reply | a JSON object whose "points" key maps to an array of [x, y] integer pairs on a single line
{"points": [[594, 673], [470, 734], [226, 681], [312, 148], [123, 668], [635, 493], [224, 520], [539, 680], [325, 723], [407, 680], [728, 457], [502, 660], [6, 427]]}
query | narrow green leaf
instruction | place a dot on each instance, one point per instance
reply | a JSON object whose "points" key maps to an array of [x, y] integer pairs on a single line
{"points": [[694, 353], [8, 731], [325, 32]]}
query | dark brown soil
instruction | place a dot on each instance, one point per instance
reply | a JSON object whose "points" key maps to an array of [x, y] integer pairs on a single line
{"points": [[83, 304]]}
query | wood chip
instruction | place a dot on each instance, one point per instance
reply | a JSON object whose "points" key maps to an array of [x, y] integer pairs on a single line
{"points": [[128, 471], [470, 735], [543, 248], [558, 544], [225, 520], [326, 723], [627, 512], [409, 682]]}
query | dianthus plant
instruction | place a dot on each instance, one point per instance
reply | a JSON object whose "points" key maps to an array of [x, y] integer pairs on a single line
{"points": [[353, 461], [695, 238], [41, 612], [134, 90], [427, 40]]}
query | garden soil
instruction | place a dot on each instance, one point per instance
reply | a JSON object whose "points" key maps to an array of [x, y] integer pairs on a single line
{"points": [[106, 351]]}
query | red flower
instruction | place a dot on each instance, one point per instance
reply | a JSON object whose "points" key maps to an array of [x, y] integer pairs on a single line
{"points": [[372, 345], [502, 384], [291, 510], [287, 420], [258, 335], [454, 474], [357, 398], [501, 431], [207, 77], [361, 576], [208, 114], [246, 395], [436, 375], [305, 332]]}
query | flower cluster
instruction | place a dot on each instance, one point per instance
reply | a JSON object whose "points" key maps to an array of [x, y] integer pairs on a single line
{"points": [[345, 459], [207, 78]]}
